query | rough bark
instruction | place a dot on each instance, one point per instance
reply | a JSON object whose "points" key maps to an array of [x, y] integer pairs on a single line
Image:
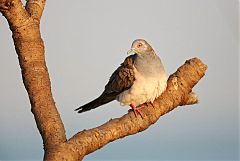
{"points": [[29, 46], [24, 24]]}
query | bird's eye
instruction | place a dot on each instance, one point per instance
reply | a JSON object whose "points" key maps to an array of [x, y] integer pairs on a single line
{"points": [[139, 45]]}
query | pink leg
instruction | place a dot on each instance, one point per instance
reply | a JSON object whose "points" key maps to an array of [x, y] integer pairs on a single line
{"points": [[135, 110]]}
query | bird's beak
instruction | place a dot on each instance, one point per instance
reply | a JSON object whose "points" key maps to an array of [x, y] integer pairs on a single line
{"points": [[131, 51]]}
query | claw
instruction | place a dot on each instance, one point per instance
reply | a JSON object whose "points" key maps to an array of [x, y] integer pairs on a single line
{"points": [[151, 104], [136, 110]]}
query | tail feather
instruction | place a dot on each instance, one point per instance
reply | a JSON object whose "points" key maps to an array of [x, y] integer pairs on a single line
{"points": [[94, 104]]}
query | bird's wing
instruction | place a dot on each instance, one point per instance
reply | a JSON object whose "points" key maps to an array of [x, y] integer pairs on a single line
{"points": [[121, 80]]}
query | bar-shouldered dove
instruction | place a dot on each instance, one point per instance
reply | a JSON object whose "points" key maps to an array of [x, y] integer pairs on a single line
{"points": [[140, 78]]}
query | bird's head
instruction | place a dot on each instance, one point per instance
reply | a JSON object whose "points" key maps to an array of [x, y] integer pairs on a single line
{"points": [[140, 47]]}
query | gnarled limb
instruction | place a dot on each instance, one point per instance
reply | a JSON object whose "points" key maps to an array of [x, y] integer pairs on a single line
{"points": [[24, 23]]}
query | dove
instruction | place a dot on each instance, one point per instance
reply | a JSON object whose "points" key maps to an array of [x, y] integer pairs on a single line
{"points": [[139, 79]]}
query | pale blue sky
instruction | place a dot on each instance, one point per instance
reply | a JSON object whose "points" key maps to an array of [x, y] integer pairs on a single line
{"points": [[86, 40]]}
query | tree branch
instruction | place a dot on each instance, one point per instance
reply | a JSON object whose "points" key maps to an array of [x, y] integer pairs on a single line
{"points": [[189, 100], [30, 50], [15, 13], [35, 8]]}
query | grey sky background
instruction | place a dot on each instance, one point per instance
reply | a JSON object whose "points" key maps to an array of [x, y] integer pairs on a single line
{"points": [[86, 41]]}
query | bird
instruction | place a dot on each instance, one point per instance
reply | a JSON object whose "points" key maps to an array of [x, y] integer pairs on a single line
{"points": [[139, 79]]}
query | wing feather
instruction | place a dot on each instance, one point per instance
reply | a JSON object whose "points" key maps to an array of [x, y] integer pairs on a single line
{"points": [[122, 79]]}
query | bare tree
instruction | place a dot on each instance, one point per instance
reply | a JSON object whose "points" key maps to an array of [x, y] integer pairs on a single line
{"points": [[24, 22]]}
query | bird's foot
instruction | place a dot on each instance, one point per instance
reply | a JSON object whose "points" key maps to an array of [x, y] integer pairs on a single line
{"points": [[136, 110]]}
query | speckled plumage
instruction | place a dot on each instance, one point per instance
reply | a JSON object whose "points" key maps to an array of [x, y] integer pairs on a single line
{"points": [[140, 78]]}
